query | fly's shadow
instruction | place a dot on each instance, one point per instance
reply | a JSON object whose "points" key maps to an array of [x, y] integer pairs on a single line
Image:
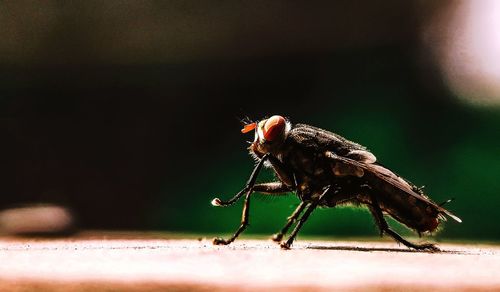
{"points": [[385, 249]]}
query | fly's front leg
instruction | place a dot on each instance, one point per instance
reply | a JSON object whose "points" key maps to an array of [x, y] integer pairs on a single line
{"points": [[303, 219], [248, 190], [272, 188], [248, 187], [384, 228], [243, 225], [290, 221]]}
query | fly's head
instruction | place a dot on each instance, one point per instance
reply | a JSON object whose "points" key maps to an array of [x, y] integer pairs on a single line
{"points": [[269, 134]]}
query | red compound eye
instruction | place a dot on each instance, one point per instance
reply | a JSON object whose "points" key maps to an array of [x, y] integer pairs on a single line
{"points": [[273, 127], [248, 127]]}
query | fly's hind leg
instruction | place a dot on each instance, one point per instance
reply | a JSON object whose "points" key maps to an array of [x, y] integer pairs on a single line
{"points": [[290, 221], [384, 228]]}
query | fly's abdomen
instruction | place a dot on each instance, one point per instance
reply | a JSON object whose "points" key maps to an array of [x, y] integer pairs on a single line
{"points": [[407, 208], [417, 215]]}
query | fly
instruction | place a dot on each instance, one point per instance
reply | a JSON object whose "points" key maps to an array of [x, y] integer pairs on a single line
{"points": [[327, 170]]}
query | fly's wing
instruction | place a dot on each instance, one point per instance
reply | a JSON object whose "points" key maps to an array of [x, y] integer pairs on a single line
{"points": [[350, 166], [320, 140]]}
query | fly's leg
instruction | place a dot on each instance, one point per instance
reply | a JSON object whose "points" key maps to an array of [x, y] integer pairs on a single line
{"points": [[272, 188], [248, 187], [384, 228], [248, 190], [303, 219], [290, 221], [243, 225]]}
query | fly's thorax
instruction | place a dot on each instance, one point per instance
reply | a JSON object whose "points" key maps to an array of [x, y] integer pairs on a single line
{"points": [[312, 164], [312, 173]]}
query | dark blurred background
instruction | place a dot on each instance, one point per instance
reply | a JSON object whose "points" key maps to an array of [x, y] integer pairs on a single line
{"points": [[126, 112]]}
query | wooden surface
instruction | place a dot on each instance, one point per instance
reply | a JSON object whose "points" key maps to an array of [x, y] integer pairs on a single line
{"points": [[135, 261]]}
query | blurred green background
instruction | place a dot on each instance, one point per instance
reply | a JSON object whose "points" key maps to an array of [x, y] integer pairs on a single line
{"points": [[127, 112]]}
